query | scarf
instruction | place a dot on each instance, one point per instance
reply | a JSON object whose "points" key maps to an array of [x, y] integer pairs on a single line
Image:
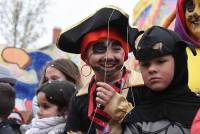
{"points": [[96, 114], [46, 125]]}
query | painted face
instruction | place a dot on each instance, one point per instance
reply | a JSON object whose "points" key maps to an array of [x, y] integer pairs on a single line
{"points": [[54, 74], [192, 17], [158, 72], [106, 58], [46, 109]]}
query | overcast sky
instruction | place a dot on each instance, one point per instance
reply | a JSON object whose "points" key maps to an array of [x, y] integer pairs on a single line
{"points": [[64, 13]]}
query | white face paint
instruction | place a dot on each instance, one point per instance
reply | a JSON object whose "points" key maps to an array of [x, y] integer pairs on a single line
{"points": [[106, 57], [192, 17]]}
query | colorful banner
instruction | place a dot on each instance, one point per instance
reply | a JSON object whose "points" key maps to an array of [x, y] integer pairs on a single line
{"points": [[154, 12]]}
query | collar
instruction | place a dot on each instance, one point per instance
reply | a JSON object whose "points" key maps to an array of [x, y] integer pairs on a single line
{"points": [[134, 80]]}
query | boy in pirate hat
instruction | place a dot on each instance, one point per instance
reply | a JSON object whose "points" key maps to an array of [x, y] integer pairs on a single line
{"points": [[103, 40], [165, 104]]}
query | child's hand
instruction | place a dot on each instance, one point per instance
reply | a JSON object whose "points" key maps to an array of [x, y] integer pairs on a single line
{"points": [[104, 93]]}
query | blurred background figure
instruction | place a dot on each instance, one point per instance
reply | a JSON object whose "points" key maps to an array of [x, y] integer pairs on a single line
{"points": [[62, 70], [7, 103]]}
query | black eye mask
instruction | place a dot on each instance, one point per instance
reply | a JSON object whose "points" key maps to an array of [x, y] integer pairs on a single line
{"points": [[101, 46]]}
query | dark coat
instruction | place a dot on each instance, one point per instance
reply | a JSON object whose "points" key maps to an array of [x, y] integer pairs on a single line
{"points": [[10, 127]]}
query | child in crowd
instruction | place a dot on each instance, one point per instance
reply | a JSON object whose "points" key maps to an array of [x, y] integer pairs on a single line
{"points": [[62, 70], [7, 102], [103, 40], [165, 104], [53, 101]]}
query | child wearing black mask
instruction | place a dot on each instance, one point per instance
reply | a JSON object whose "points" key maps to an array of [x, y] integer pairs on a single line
{"points": [[165, 104]]}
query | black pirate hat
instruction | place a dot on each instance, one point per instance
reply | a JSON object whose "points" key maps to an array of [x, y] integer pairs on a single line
{"points": [[70, 40]]}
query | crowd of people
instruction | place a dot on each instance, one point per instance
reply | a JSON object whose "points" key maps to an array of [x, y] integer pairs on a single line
{"points": [[155, 100]]}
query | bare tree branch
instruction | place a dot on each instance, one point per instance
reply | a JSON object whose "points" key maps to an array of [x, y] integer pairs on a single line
{"points": [[21, 21]]}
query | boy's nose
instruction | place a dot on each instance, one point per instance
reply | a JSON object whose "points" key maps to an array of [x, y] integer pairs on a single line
{"points": [[152, 69], [108, 54]]}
